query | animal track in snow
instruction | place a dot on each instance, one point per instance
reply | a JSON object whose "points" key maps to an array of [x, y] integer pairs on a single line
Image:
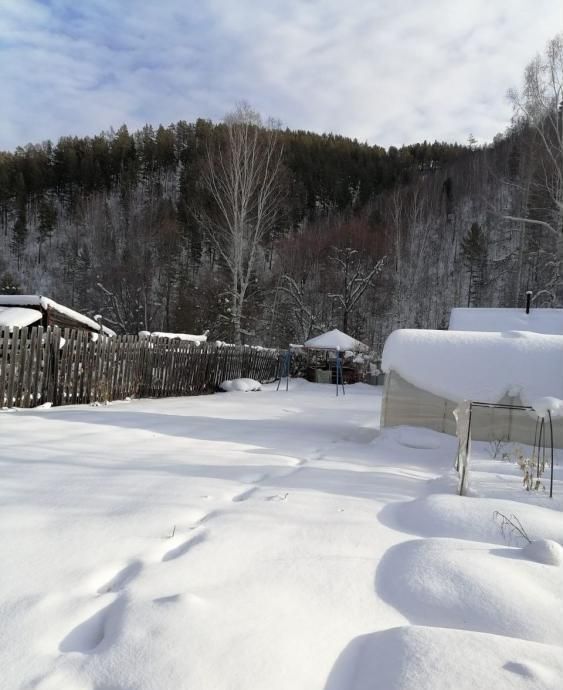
{"points": [[205, 518], [183, 548], [171, 599], [245, 495], [277, 497], [123, 577]]}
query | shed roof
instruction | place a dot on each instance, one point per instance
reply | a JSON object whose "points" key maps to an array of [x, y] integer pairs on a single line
{"points": [[19, 317], [549, 321], [46, 303]]}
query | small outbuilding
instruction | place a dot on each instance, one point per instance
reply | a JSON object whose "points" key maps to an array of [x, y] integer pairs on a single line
{"points": [[36, 310]]}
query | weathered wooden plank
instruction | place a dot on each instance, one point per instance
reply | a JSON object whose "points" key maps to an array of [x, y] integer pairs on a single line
{"points": [[112, 356], [27, 383], [39, 366], [91, 373], [52, 341], [99, 369], [12, 364], [114, 367], [133, 380], [78, 335], [83, 370], [121, 366], [65, 360], [4, 345], [19, 392]]}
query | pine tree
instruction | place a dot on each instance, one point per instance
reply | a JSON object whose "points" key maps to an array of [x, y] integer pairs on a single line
{"points": [[9, 285], [19, 233], [474, 252], [47, 221]]}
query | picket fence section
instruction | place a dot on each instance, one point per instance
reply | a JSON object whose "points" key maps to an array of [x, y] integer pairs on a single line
{"points": [[63, 367]]}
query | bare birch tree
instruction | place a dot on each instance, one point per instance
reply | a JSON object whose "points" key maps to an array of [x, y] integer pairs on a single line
{"points": [[356, 273], [539, 105], [243, 178]]}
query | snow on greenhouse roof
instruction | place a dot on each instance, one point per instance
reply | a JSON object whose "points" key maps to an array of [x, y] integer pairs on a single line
{"points": [[18, 317], [335, 340], [549, 321], [469, 365]]}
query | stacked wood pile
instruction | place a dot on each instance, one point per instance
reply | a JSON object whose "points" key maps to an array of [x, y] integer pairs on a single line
{"points": [[63, 367]]}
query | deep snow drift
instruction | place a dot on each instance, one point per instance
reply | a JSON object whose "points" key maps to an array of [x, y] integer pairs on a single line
{"points": [[270, 540]]}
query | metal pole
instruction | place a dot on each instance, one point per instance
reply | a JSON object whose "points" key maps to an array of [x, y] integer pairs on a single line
{"points": [[464, 468], [536, 439], [542, 438], [551, 473], [280, 371]]}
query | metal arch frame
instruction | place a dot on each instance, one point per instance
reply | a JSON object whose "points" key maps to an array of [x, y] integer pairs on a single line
{"points": [[538, 438]]}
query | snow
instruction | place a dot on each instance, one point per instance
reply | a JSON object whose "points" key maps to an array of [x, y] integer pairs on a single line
{"points": [[547, 321], [18, 316], [467, 365], [46, 303], [544, 551], [335, 340], [179, 336], [419, 658], [272, 541], [548, 404], [242, 385]]}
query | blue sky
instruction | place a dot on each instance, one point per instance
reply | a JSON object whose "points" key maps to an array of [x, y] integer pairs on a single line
{"points": [[386, 71]]}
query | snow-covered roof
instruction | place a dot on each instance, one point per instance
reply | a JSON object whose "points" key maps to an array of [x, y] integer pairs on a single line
{"points": [[549, 321], [335, 340], [469, 365], [18, 316], [175, 336], [47, 303]]}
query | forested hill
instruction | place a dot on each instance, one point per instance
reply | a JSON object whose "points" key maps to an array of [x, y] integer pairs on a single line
{"points": [[364, 239]]}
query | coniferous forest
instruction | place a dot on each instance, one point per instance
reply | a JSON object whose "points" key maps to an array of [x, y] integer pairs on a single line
{"points": [[266, 235]]}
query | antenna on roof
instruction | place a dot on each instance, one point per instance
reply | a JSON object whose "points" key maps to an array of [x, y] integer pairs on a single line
{"points": [[528, 300]]}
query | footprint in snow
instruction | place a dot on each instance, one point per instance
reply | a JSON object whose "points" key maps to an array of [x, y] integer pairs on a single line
{"points": [[245, 495], [102, 627], [171, 599], [184, 548], [277, 497], [121, 578]]}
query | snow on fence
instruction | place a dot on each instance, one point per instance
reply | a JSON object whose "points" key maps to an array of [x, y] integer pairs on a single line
{"points": [[49, 365]]}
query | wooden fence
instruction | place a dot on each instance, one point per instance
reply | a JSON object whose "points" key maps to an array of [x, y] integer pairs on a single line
{"points": [[64, 367]]}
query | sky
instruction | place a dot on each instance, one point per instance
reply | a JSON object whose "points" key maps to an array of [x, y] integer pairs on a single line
{"points": [[389, 72]]}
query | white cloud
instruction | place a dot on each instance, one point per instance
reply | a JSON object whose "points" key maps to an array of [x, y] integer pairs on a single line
{"points": [[389, 72]]}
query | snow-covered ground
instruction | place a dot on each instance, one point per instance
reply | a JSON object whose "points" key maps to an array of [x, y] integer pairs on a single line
{"points": [[265, 541]]}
